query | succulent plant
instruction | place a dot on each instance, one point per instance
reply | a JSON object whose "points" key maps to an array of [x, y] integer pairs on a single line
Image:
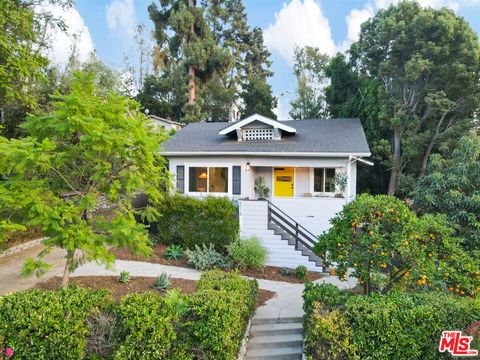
{"points": [[124, 277], [163, 282], [173, 252], [285, 271]]}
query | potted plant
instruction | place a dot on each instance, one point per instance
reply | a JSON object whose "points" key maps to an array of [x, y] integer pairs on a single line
{"points": [[340, 182], [261, 188]]}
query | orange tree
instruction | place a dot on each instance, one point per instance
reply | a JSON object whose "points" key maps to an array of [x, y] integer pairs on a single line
{"points": [[380, 238]]}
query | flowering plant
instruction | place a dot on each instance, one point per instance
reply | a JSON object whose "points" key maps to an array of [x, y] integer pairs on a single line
{"points": [[473, 330]]}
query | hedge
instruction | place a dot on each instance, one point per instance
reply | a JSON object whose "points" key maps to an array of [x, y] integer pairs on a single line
{"points": [[220, 311], [187, 221], [208, 324], [148, 326], [49, 324], [394, 326]]}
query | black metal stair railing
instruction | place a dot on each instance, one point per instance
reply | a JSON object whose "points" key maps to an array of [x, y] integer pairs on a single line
{"points": [[298, 232]]}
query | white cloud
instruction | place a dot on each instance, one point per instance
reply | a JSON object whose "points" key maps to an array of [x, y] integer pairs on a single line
{"points": [[355, 20], [76, 36], [299, 23], [120, 15]]}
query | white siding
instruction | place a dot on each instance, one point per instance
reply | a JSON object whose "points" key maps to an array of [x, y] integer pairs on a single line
{"points": [[262, 166], [302, 181], [312, 213]]}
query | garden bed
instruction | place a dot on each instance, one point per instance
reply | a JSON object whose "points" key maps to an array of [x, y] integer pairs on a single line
{"points": [[21, 237], [135, 284], [268, 273]]}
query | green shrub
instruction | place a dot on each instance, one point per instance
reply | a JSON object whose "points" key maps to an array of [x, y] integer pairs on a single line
{"points": [[163, 282], [329, 336], [393, 326], [248, 253], [187, 221], [204, 257], [173, 252], [231, 281], [219, 312], [328, 294], [149, 326], [49, 324], [124, 276], [285, 271], [301, 272]]}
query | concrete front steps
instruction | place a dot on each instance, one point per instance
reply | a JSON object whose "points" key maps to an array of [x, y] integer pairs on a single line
{"points": [[276, 339], [281, 249]]}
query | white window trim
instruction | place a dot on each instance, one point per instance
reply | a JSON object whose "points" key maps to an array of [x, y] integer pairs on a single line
{"points": [[312, 181], [207, 193]]}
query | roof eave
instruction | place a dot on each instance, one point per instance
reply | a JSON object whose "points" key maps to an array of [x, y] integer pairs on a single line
{"points": [[265, 153]]}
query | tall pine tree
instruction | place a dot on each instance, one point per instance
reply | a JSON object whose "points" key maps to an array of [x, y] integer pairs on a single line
{"points": [[206, 59]]}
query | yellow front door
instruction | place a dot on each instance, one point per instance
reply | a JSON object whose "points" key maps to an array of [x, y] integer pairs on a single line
{"points": [[283, 178]]}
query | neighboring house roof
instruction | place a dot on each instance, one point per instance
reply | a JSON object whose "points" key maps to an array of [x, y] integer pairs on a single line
{"points": [[158, 118], [274, 123], [320, 137]]}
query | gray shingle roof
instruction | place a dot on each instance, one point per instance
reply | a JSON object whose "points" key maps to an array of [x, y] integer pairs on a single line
{"points": [[322, 135]]}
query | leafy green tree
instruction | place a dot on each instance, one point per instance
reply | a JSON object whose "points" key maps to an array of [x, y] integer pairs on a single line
{"points": [[452, 187], [89, 147], [425, 66], [376, 234], [309, 69], [23, 27], [354, 95]]}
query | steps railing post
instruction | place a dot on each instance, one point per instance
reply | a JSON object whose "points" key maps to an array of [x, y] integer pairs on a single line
{"points": [[296, 236]]}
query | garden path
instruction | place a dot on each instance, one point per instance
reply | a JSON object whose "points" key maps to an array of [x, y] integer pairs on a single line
{"points": [[11, 265]]}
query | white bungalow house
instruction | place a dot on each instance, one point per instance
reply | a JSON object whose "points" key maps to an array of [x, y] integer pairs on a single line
{"points": [[298, 160]]}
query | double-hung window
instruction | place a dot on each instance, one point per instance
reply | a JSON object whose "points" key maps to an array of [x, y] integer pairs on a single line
{"points": [[323, 180], [208, 179]]}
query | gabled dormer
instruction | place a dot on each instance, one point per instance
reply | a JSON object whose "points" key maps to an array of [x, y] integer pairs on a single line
{"points": [[257, 127]]}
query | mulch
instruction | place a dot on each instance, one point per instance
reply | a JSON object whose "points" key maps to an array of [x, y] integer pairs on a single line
{"points": [[20, 237], [268, 273], [135, 284]]}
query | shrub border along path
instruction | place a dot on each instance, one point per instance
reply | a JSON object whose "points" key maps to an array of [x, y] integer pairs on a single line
{"points": [[287, 303]]}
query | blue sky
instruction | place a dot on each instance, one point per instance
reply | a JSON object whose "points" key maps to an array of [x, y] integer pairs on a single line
{"points": [[329, 24]]}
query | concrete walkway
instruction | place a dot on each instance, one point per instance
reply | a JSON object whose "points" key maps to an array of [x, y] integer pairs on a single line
{"points": [[11, 266]]}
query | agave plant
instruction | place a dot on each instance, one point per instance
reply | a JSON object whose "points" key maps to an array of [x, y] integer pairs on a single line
{"points": [[163, 282], [285, 271], [124, 276], [174, 252]]}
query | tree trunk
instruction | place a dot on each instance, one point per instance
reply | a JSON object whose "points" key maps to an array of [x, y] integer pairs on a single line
{"points": [[426, 156], [191, 68], [396, 166], [66, 270]]}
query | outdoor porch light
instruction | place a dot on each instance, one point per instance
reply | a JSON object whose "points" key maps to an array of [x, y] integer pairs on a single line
{"points": [[247, 167]]}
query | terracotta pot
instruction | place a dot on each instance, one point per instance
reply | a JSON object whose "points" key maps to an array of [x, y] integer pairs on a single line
{"points": [[332, 271]]}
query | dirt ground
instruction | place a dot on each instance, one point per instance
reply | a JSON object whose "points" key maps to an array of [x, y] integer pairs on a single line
{"points": [[10, 267], [136, 284], [268, 273]]}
